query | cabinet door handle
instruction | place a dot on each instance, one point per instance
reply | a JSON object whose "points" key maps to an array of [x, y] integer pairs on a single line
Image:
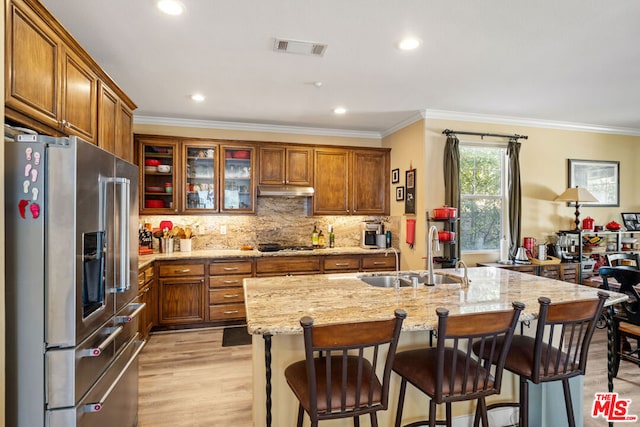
{"points": [[231, 312], [230, 268], [231, 296], [187, 270], [231, 282]]}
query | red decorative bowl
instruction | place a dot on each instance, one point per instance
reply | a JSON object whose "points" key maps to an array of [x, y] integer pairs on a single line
{"points": [[151, 204], [151, 162], [241, 155]]}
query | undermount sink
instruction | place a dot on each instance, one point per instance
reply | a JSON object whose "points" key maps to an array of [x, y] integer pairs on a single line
{"points": [[388, 280], [384, 281], [440, 279]]}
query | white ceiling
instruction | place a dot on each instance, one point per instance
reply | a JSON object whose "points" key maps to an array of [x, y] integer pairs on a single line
{"points": [[574, 61]]}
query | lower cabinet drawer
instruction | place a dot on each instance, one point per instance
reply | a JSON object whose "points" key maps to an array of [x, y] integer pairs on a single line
{"points": [[341, 263], [378, 262], [225, 296], [226, 311], [226, 281]]}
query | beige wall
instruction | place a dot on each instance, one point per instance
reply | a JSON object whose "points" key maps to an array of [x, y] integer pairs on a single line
{"points": [[543, 162], [408, 149]]}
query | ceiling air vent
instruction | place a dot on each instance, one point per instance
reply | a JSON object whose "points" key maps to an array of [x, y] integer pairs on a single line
{"points": [[300, 47]]}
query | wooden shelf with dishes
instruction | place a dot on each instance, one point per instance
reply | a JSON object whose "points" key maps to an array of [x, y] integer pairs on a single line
{"points": [[157, 178], [590, 247]]}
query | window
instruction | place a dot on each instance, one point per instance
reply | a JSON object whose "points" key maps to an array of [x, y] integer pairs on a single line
{"points": [[483, 192]]}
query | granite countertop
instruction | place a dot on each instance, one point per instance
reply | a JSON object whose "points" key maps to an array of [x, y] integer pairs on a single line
{"points": [[275, 305], [145, 260]]}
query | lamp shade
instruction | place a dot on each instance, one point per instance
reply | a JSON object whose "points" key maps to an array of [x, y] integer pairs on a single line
{"points": [[576, 194]]}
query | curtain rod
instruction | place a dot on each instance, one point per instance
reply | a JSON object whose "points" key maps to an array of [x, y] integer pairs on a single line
{"points": [[482, 135]]}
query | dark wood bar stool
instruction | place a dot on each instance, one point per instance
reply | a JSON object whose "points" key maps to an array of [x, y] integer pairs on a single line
{"points": [[336, 380], [449, 372], [626, 318], [557, 353]]}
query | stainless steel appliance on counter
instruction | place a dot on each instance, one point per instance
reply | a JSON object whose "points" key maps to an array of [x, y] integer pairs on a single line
{"points": [[71, 216], [370, 231]]}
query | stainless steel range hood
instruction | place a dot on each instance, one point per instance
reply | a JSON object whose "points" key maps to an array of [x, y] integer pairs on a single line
{"points": [[284, 191]]}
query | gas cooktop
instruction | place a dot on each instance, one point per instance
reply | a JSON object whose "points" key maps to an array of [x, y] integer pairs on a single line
{"points": [[275, 247]]}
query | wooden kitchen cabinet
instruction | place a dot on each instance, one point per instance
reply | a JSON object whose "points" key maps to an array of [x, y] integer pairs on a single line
{"points": [[289, 265], [154, 197], [205, 176], [370, 185], [115, 124], [147, 295], [200, 174], [237, 183], [52, 84], [32, 65], [286, 165], [79, 98], [226, 294], [341, 263], [379, 262], [182, 297], [351, 182], [331, 182]]}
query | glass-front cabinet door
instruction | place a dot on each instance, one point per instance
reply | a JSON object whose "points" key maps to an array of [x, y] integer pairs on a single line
{"points": [[237, 173], [158, 173], [200, 192]]}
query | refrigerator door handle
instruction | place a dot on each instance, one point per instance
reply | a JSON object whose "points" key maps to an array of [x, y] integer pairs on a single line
{"points": [[128, 318], [124, 242], [97, 406], [97, 351]]}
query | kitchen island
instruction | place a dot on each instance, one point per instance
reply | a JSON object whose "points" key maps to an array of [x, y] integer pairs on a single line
{"points": [[274, 307]]}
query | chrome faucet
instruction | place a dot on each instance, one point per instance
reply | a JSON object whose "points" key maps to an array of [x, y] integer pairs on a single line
{"points": [[465, 280], [433, 236], [397, 282]]}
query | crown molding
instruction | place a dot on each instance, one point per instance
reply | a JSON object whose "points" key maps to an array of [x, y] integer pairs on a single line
{"points": [[520, 121], [418, 115], [253, 127]]}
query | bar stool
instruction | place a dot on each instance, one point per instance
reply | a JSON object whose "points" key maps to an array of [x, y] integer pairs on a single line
{"points": [[557, 353], [336, 380], [626, 318], [448, 372]]}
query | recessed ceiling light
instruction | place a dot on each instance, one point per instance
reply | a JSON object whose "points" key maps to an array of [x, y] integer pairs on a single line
{"points": [[339, 110], [170, 7], [317, 84], [409, 43], [197, 97]]}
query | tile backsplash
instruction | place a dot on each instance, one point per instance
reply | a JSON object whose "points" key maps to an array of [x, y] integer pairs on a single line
{"points": [[277, 220]]}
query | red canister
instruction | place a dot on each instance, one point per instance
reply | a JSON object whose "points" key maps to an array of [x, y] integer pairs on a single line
{"points": [[529, 243], [587, 223]]}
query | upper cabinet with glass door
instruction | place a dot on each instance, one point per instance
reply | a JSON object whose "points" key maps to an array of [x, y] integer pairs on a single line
{"points": [[158, 162], [237, 172], [200, 192]]}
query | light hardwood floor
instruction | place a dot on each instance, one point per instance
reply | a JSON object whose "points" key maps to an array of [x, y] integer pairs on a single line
{"points": [[187, 379]]}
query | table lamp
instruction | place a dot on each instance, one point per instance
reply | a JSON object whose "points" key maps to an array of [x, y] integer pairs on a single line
{"points": [[576, 195]]}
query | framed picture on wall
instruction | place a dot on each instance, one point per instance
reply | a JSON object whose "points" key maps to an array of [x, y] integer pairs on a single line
{"points": [[410, 196], [399, 193], [395, 176], [631, 221], [601, 178]]}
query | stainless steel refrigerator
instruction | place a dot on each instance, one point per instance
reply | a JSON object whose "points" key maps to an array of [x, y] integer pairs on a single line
{"points": [[71, 216]]}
